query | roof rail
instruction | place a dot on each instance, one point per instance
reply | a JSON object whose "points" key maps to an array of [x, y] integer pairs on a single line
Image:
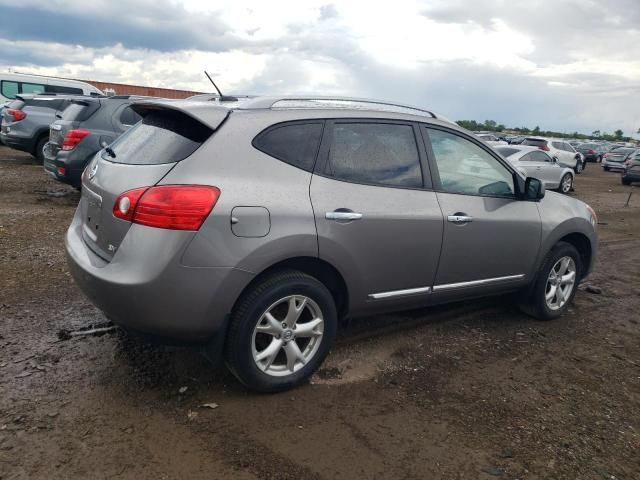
{"points": [[314, 101]]}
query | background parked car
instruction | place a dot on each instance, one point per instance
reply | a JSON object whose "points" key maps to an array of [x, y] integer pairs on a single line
{"points": [[13, 84], [26, 120], [85, 127], [560, 150], [614, 160], [631, 172], [536, 163], [490, 139], [592, 152]]}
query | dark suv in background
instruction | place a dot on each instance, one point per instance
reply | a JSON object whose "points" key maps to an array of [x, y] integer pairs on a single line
{"points": [[26, 120], [84, 128]]}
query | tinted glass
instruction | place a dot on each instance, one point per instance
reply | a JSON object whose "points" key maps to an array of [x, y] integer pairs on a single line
{"points": [[534, 142], [31, 88], [464, 167], [295, 143], [161, 137], [375, 153], [539, 156], [506, 152], [557, 145], [79, 112], [129, 117], [61, 89], [9, 89]]}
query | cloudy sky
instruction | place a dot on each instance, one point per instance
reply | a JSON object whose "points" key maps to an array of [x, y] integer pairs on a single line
{"points": [[561, 64]]}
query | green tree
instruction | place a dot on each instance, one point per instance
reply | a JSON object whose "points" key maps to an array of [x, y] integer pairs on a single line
{"points": [[618, 133], [595, 133], [536, 131], [490, 125]]}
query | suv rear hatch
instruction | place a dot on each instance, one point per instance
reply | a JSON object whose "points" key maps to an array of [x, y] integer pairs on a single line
{"points": [[77, 112], [139, 159]]}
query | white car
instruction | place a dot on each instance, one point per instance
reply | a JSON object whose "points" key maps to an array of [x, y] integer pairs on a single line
{"points": [[491, 139], [12, 84], [559, 149], [533, 162]]}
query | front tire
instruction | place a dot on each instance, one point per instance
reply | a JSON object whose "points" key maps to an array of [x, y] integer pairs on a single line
{"points": [[556, 283], [606, 169], [579, 167], [626, 181], [566, 183], [281, 330]]}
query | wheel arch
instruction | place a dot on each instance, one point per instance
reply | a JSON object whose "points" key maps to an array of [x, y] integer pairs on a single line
{"points": [[320, 269], [582, 243]]}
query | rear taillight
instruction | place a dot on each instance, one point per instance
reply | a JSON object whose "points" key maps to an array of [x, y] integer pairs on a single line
{"points": [[174, 207], [606, 155], [590, 152], [16, 114], [544, 147], [73, 138]]}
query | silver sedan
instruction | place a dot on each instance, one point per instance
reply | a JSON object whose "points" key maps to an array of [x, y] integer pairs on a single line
{"points": [[533, 162]]}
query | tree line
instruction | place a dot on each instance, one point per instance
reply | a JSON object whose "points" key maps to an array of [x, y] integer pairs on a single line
{"points": [[493, 126]]}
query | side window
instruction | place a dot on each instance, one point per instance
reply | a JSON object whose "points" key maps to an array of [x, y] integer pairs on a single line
{"points": [[540, 157], [557, 145], [568, 147], [375, 153], [293, 143], [527, 158], [61, 89], [9, 89], [466, 168], [31, 88], [129, 118]]}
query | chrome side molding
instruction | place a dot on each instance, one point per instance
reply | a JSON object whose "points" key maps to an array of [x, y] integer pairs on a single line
{"points": [[399, 293], [476, 283]]}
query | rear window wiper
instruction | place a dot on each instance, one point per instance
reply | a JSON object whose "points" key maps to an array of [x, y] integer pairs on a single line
{"points": [[110, 152]]}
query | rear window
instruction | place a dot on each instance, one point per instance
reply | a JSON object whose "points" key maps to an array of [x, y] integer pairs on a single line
{"points": [[506, 152], [534, 142], [79, 111], [161, 137], [295, 143]]}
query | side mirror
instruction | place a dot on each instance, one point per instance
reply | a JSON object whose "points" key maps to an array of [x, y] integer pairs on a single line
{"points": [[555, 159], [533, 189]]}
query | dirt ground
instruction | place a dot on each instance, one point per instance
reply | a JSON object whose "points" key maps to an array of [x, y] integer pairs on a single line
{"points": [[473, 390]]}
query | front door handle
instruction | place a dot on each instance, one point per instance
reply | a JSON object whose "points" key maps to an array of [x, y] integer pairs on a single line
{"points": [[343, 215], [459, 219]]}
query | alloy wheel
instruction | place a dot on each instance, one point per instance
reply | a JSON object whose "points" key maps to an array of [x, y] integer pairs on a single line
{"points": [[566, 183], [560, 283], [287, 336]]}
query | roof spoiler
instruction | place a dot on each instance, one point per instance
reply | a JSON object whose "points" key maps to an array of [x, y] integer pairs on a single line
{"points": [[202, 112]]}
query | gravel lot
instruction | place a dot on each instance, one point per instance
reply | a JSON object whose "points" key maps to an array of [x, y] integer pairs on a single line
{"points": [[474, 390]]}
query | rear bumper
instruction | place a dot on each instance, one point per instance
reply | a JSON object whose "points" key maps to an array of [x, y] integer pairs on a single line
{"points": [[613, 165], [145, 288], [591, 158], [66, 167], [23, 144]]}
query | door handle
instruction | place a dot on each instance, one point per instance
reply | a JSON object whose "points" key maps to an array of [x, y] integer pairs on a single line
{"points": [[343, 216], [459, 219]]}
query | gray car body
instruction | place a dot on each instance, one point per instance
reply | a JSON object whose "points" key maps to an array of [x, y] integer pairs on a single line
{"points": [[402, 254], [105, 127], [41, 111]]}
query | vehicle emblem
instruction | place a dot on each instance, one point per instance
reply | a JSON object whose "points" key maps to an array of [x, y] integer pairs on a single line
{"points": [[93, 171]]}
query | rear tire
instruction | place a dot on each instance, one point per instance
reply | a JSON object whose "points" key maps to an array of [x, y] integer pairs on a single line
{"points": [[626, 181], [38, 153], [265, 347], [557, 285], [606, 169], [579, 168]]}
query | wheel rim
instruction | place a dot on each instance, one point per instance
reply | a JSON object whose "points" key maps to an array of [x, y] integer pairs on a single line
{"points": [[579, 167], [287, 336], [560, 283], [566, 183]]}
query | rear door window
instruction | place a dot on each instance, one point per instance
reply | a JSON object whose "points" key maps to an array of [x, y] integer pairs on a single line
{"points": [[374, 153], [9, 89], [161, 137], [294, 143], [31, 88]]}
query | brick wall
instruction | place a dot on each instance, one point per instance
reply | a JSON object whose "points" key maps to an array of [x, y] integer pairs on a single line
{"points": [[123, 89]]}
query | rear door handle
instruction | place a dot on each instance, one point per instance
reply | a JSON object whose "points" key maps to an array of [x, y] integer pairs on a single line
{"points": [[343, 216], [459, 219]]}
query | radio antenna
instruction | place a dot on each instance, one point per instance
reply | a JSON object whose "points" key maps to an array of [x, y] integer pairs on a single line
{"points": [[223, 98]]}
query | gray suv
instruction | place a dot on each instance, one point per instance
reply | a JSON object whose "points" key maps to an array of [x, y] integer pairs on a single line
{"points": [[87, 125], [25, 121], [254, 227]]}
